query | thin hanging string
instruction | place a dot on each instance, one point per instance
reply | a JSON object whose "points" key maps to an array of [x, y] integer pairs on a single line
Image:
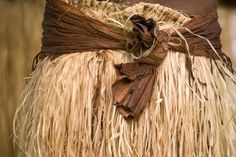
{"points": [[208, 41], [163, 26]]}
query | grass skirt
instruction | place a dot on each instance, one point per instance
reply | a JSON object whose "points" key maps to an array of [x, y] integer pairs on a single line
{"points": [[66, 109]]}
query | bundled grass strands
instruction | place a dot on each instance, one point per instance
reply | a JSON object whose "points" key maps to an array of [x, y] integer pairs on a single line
{"points": [[67, 107]]}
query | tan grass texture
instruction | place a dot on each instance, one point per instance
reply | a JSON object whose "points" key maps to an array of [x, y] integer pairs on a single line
{"points": [[20, 35], [66, 108]]}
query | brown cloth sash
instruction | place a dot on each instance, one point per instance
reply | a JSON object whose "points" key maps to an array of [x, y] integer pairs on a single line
{"points": [[68, 30]]}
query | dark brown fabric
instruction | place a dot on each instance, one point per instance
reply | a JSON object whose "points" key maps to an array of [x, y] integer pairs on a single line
{"points": [[68, 30], [133, 89]]}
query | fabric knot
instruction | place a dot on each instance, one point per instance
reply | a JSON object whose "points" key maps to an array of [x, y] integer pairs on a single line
{"points": [[144, 35], [149, 44]]}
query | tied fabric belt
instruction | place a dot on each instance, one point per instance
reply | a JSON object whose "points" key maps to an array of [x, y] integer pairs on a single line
{"points": [[68, 30]]}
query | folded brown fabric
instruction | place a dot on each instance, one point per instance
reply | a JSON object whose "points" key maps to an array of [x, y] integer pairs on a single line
{"points": [[133, 88]]}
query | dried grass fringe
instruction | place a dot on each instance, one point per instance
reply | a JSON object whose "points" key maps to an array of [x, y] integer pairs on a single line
{"points": [[66, 108]]}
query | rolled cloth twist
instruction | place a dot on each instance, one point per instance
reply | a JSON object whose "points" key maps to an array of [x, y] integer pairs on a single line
{"points": [[68, 30]]}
